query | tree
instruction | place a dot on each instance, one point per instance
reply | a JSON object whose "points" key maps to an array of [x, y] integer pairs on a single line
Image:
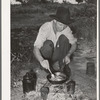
{"points": [[79, 1], [28, 1]]}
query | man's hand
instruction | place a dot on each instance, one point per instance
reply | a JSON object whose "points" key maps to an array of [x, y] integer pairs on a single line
{"points": [[66, 60], [71, 51], [45, 64]]}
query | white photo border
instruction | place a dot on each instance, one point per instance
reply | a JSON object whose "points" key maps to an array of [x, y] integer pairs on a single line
{"points": [[5, 50]]}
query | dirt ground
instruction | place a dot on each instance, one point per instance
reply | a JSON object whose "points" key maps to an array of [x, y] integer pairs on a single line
{"points": [[85, 85], [25, 22]]}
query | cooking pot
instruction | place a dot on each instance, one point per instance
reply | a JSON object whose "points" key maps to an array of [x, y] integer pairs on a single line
{"points": [[58, 79]]}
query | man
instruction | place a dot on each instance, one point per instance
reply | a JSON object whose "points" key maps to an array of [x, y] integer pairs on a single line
{"points": [[55, 42]]}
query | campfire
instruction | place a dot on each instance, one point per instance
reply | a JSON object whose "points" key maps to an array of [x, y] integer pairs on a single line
{"points": [[56, 91]]}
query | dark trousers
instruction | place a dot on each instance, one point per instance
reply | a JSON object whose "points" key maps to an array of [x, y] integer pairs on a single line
{"points": [[55, 55]]}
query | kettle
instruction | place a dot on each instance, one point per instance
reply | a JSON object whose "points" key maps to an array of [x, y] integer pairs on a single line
{"points": [[29, 81]]}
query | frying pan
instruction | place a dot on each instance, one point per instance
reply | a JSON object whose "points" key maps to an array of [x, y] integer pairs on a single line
{"points": [[63, 78]]}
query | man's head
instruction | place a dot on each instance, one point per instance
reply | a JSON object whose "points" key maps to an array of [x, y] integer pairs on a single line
{"points": [[62, 15], [59, 26]]}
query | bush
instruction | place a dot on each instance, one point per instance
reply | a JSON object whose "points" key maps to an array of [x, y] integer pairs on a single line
{"points": [[90, 12], [92, 1], [24, 2], [85, 30]]}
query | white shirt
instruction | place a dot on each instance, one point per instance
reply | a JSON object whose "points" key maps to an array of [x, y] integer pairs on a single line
{"points": [[46, 32]]}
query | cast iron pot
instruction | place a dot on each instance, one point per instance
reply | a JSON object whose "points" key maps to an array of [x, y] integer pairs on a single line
{"points": [[63, 80]]}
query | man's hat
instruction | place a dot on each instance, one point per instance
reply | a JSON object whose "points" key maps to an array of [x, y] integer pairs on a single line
{"points": [[62, 15]]}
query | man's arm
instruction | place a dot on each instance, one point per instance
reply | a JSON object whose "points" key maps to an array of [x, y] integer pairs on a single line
{"points": [[37, 54], [72, 49], [44, 63], [41, 38]]}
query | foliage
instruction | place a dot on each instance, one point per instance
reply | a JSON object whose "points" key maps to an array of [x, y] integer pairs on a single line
{"points": [[92, 1]]}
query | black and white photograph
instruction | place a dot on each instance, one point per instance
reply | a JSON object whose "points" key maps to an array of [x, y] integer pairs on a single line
{"points": [[53, 49]]}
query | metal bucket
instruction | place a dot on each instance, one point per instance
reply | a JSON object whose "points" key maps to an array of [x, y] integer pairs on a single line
{"points": [[90, 68]]}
